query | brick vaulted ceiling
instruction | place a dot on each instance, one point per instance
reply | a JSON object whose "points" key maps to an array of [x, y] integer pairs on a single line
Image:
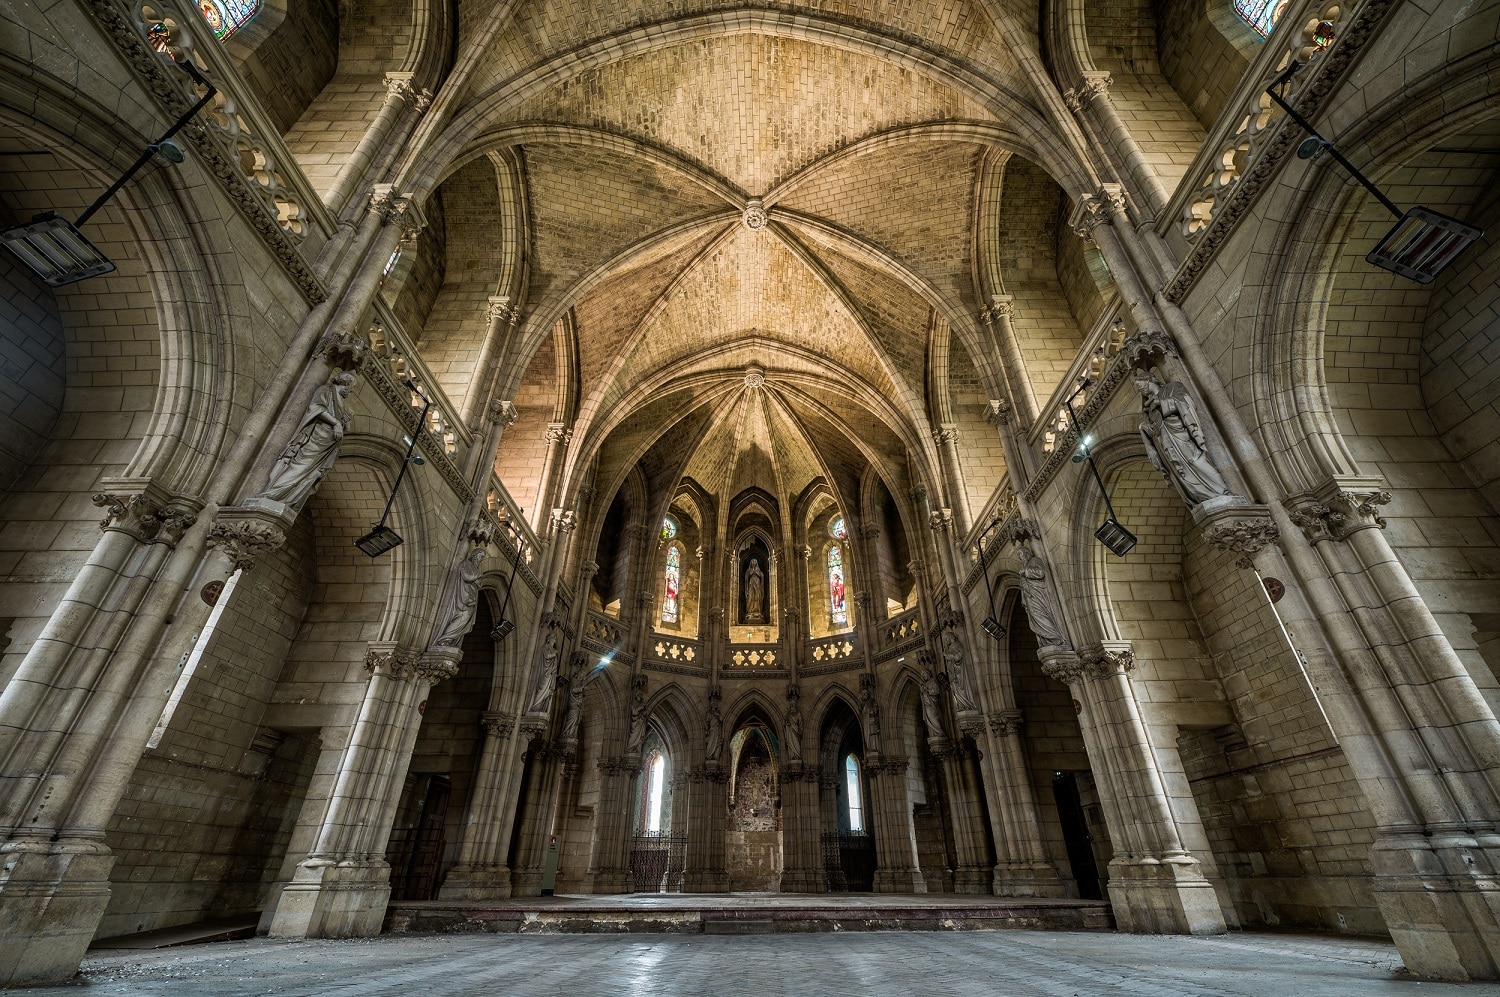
{"points": [[643, 138]]}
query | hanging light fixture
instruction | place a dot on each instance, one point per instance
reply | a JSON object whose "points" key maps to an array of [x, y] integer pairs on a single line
{"points": [[990, 625], [1423, 241], [382, 538], [1114, 536], [505, 627], [54, 249]]}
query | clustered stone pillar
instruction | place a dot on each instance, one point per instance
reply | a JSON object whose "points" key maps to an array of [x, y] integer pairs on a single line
{"points": [[1155, 884], [897, 869], [1021, 866], [481, 872], [341, 889], [609, 859]]}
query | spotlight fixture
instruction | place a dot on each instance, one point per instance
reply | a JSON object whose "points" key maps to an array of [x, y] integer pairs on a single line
{"points": [[990, 625], [502, 630], [993, 628], [53, 247], [1115, 538], [505, 627], [382, 538], [1423, 242]]}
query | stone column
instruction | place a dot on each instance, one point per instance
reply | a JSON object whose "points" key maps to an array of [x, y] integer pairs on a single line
{"points": [[400, 93], [481, 872], [548, 765], [1156, 885], [341, 889], [802, 839], [500, 322], [963, 790], [609, 861], [946, 438], [997, 318], [1092, 98], [897, 869], [708, 787], [1021, 866]]}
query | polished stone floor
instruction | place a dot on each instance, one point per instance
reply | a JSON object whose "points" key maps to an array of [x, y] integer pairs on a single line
{"points": [[855, 964]]}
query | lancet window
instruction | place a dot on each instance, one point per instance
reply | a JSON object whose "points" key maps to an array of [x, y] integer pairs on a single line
{"points": [[670, 584], [838, 605], [856, 800]]}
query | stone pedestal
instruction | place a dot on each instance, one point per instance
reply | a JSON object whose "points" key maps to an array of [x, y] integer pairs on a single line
{"points": [[1164, 896], [328, 900], [1440, 898], [55, 894]]}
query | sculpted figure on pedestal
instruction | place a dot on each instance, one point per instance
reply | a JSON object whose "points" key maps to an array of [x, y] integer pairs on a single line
{"points": [[574, 716], [546, 682], [958, 677], [315, 445], [1038, 600], [713, 739], [1174, 439], [462, 601], [637, 716], [793, 732], [932, 709], [869, 716]]}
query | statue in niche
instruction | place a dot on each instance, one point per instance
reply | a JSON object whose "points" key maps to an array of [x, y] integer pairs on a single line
{"points": [[1174, 439], [315, 445], [755, 592], [958, 678], [793, 744], [546, 682], [462, 602], [637, 716], [1038, 600], [713, 738], [869, 717], [932, 706], [574, 716]]}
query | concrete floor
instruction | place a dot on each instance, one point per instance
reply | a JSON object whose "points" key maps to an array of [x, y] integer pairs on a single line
{"points": [[899, 964]]}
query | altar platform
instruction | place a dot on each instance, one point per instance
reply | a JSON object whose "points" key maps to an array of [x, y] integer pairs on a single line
{"points": [[747, 913]]}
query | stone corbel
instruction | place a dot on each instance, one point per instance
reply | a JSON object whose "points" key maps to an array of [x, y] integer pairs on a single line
{"points": [[1245, 530], [498, 725], [245, 534], [1061, 665], [343, 350], [1147, 348], [438, 664]]}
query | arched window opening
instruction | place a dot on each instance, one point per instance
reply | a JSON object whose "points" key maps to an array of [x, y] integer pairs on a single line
{"points": [[856, 800], [226, 17], [837, 528], [670, 583], [658, 776], [1260, 14], [838, 606], [668, 529]]}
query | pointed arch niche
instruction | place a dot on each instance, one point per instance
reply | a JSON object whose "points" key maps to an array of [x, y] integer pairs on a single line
{"points": [[755, 597]]}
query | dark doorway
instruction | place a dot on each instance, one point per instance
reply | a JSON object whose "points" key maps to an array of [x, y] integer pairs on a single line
{"points": [[1076, 836], [417, 851]]}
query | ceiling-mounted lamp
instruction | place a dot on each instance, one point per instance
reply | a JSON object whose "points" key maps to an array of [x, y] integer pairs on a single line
{"points": [[1423, 241], [382, 538], [54, 249], [1114, 536]]}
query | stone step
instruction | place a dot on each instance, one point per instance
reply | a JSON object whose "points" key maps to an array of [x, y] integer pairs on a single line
{"points": [[730, 916]]}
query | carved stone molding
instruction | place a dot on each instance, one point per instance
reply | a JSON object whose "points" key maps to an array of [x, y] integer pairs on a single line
{"points": [[245, 539], [1006, 722], [343, 350]]}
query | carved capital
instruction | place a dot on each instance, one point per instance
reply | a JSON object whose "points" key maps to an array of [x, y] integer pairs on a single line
{"points": [[945, 435], [971, 726], [498, 725], [343, 350], [133, 514], [1147, 348], [564, 520], [1106, 659], [243, 541], [532, 729], [941, 520], [1062, 666], [438, 665], [1071, 98], [400, 86], [1339, 508], [1095, 84], [388, 659], [400, 209], [557, 432], [499, 309], [1006, 723], [999, 411]]}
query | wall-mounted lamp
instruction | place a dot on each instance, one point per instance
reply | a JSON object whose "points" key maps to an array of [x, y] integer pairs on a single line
{"points": [[53, 247], [1422, 243], [1115, 537], [382, 538]]}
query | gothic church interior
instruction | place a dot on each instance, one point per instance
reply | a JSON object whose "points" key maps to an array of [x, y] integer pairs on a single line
{"points": [[804, 446]]}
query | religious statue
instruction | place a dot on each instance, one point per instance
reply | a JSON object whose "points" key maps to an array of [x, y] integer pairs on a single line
{"points": [[1174, 439], [793, 731], [713, 738], [546, 682], [1038, 600], [932, 710], [755, 592], [637, 716], [869, 717], [958, 678], [462, 602], [315, 445], [574, 715]]}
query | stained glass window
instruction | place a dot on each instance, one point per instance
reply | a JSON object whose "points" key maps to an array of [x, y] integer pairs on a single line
{"points": [[669, 590], [837, 529], [837, 606], [1261, 14], [668, 529], [856, 803], [227, 16]]}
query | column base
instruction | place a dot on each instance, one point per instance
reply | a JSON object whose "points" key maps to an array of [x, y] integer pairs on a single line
{"points": [[52, 898], [1022, 879], [1440, 898], [803, 881], [325, 900], [972, 879], [908, 880], [610, 881], [476, 882], [1164, 896], [526, 883]]}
